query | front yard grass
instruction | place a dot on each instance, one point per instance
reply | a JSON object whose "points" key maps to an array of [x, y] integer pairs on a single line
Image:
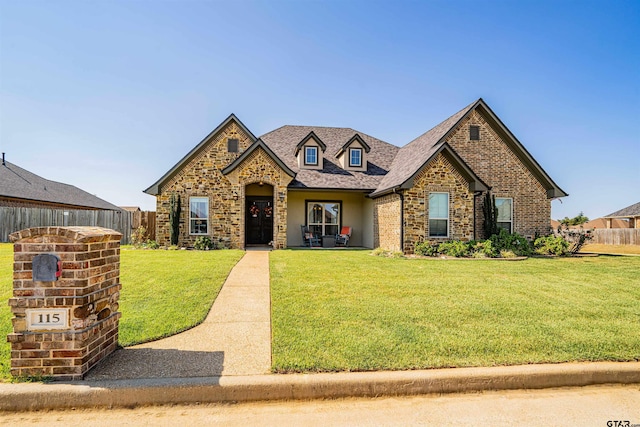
{"points": [[163, 292], [350, 311]]}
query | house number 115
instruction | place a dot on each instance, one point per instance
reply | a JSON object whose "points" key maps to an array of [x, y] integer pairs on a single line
{"points": [[44, 319]]}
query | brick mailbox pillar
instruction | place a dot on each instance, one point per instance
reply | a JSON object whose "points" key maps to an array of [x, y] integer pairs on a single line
{"points": [[66, 285]]}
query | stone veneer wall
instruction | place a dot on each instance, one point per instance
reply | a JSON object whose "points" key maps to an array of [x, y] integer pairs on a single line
{"points": [[438, 176], [386, 222], [259, 167], [89, 288], [494, 162], [202, 177]]}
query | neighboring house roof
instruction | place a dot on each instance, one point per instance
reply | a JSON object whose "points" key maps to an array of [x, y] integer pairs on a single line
{"points": [[632, 211], [18, 183], [555, 224], [131, 208], [155, 188], [413, 156], [284, 140], [602, 223]]}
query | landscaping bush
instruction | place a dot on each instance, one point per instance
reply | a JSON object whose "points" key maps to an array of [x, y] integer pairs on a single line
{"points": [[454, 248], [203, 243], [575, 238], [483, 249], [426, 248], [139, 237], [551, 245], [505, 241]]}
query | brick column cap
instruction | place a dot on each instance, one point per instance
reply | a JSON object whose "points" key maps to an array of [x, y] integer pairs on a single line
{"points": [[80, 234]]}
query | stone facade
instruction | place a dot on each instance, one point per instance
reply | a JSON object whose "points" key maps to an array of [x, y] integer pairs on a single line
{"points": [[203, 177], [496, 164], [387, 214], [437, 176], [259, 167], [88, 290]]}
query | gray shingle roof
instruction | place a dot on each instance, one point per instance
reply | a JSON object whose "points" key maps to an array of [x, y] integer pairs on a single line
{"points": [[415, 154], [628, 212], [283, 142], [19, 183]]}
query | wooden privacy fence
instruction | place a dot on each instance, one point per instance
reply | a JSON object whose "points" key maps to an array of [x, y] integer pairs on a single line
{"points": [[146, 219], [616, 236], [15, 219]]}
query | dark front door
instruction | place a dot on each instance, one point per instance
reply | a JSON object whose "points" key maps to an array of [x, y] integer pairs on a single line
{"points": [[259, 220]]}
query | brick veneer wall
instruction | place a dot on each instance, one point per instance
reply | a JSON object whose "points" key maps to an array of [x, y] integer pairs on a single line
{"points": [[438, 176], [202, 177], [89, 288], [386, 222], [496, 164]]}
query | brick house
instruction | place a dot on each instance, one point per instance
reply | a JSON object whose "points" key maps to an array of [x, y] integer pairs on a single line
{"points": [[244, 190]]}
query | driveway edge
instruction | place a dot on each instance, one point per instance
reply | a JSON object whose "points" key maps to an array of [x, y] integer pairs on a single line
{"points": [[140, 392]]}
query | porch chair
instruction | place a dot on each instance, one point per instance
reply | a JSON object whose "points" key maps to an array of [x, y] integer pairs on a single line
{"points": [[308, 239], [343, 237]]}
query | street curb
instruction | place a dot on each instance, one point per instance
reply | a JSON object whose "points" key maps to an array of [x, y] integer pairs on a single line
{"points": [[140, 392]]}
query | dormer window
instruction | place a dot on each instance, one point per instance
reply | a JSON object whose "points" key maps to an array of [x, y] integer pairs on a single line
{"points": [[310, 151], [355, 157], [311, 156]]}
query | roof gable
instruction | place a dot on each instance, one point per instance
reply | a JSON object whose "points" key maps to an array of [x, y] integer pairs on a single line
{"points": [[413, 156], [256, 145], [311, 135], [351, 140], [18, 183], [154, 189]]}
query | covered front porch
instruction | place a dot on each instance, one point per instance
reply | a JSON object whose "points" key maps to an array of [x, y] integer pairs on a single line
{"points": [[324, 213]]}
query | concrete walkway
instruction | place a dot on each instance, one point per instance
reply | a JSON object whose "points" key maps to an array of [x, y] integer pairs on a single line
{"points": [[234, 339]]}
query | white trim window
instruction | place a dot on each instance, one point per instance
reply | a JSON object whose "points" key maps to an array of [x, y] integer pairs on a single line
{"points": [[198, 215], [323, 218], [438, 214], [311, 155], [355, 157], [504, 206]]}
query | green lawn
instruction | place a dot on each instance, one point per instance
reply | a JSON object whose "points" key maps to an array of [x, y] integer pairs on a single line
{"points": [[163, 292], [350, 311]]}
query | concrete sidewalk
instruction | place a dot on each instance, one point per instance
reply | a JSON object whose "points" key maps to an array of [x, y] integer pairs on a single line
{"points": [[225, 359], [234, 339]]}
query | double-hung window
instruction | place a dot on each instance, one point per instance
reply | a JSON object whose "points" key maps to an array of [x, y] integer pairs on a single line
{"points": [[504, 206], [310, 155], [323, 218], [355, 157], [438, 214], [198, 215]]}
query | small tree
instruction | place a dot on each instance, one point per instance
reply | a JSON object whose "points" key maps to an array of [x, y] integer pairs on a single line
{"points": [[576, 220], [174, 218], [490, 215]]}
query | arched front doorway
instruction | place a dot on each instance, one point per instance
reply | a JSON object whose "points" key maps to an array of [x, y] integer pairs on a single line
{"points": [[259, 212]]}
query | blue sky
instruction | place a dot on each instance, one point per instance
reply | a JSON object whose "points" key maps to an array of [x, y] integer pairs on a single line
{"points": [[109, 95]]}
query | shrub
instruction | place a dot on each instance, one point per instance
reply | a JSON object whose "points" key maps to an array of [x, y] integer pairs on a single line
{"points": [[483, 249], [551, 245], [576, 238], [507, 254], [511, 242], [151, 244], [454, 248], [426, 248], [139, 237], [203, 243]]}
